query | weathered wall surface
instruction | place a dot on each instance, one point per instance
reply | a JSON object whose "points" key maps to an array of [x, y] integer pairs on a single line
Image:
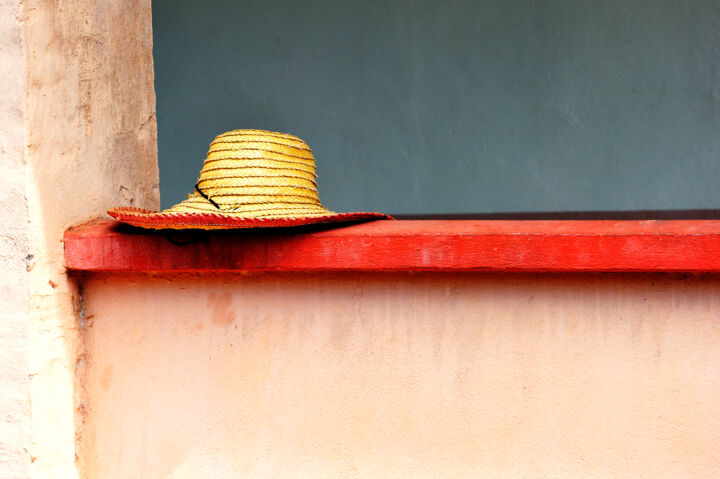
{"points": [[14, 384], [403, 376], [78, 136]]}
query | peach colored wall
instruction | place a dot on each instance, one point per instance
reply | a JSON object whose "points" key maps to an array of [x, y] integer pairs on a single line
{"points": [[330, 376], [77, 136]]}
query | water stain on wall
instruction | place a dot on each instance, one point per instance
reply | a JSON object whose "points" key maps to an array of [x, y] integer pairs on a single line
{"points": [[221, 306]]}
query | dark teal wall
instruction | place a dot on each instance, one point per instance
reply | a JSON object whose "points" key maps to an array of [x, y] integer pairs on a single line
{"points": [[454, 106]]}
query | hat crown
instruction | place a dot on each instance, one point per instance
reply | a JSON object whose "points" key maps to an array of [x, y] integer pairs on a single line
{"points": [[250, 178], [246, 167]]}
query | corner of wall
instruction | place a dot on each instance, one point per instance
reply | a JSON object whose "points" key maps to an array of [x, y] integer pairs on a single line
{"points": [[89, 137]]}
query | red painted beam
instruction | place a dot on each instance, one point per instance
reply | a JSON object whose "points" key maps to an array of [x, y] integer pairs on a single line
{"points": [[542, 246]]}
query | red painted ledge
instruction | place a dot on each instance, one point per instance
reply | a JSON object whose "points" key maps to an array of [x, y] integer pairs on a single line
{"points": [[460, 245]]}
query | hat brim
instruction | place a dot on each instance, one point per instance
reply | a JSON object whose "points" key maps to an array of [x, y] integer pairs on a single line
{"points": [[217, 221]]}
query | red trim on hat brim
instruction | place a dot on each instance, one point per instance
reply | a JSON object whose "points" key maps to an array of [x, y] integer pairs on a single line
{"points": [[156, 220]]}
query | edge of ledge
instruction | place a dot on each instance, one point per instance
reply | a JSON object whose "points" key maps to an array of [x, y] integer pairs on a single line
{"points": [[405, 245]]}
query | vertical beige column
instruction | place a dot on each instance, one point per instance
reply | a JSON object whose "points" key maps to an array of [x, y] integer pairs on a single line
{"points": [[15, 414], [77, 112]]}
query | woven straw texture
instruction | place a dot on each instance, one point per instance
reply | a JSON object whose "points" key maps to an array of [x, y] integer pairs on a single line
{"points": [[250, 178]]}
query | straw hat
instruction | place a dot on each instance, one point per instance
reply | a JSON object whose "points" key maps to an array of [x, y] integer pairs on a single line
{"points": [[250, 179]]}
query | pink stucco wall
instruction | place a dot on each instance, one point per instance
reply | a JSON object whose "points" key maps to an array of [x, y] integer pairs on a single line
{"points": [[402, 376]]}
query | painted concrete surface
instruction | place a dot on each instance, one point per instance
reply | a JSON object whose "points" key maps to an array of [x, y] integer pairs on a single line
{"points": [[78, 136], [402, 376], [454, 106], [15, 416]]}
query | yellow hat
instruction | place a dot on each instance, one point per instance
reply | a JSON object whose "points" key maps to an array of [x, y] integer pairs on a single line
{"points": [[250, 179]]}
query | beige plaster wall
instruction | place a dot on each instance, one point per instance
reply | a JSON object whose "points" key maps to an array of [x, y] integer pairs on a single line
{"points": [[77, 112], [461, 376], [15, 417]]}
